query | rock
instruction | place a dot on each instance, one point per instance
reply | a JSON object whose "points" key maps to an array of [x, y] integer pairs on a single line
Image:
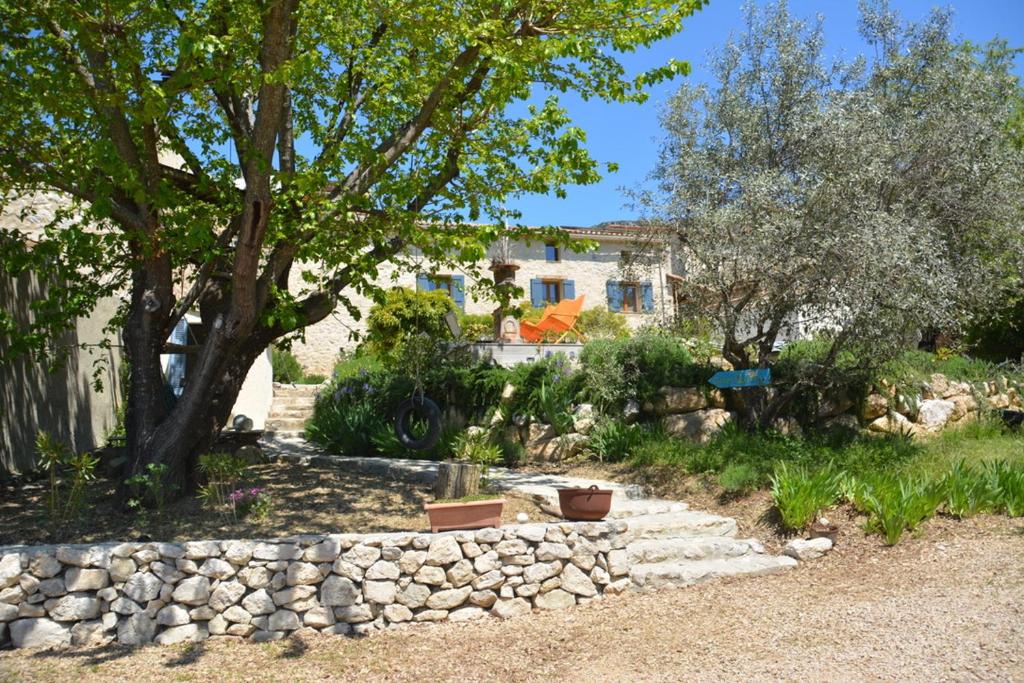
{"points": [[172, 615], [9, 612], [811, 549], [165, 572], [337, 591], [319, 617], [397, 613], [491, 579], [137, 629], [443, 550], [293, 594], [618, 562], [200, 550], [124, 606], [218, 626], [39, 633], [42, 566], [466, 614], [191, 633], [345, 568], [616, 587], [631, 411], [381, 570], [302, 574], [74, 607], [238, 552], [90, 633], [414, 595], [361, 555], [893, 423], [54, 587], [216, 568], [202, 613], [326, 551], [411, 561], [487, 562], [511, 548], [431, 615], [555, 599], [10, 570], [225, 595], [432, 576], [254, 577], [675, 400], [936, 387], [528, 590], [193, 591], [552, 551], [536, 573], [505, 609], [258, 603], [575, 581], [874, 406], [380, 592], [483, 598], [84, 556], [488, 535], [698, 426], [237, 615], [14, 594], [448, 599], [266, 636], [354, 614], [834, 404], [461, 573], [538, 433], [934, 413], [276, 551], [121, 568], [145, 556], [142, 587], [284, 620]]}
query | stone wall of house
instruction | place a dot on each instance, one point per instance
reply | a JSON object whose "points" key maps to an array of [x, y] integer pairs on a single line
{"points": [[590, 271], [134, 593]]}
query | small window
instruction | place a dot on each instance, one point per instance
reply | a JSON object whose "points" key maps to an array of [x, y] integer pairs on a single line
{"points": [[630, 297], [552, 291], [552, 253], [444, 283]]}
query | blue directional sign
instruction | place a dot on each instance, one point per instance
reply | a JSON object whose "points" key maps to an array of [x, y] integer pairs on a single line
{"points": [[735, 379]]}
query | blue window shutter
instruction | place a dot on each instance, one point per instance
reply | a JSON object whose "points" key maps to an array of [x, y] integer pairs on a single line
{"points": [[536, 293], [568, 289], [459, 291], [614, 296], [647, 292], [424, 283]]}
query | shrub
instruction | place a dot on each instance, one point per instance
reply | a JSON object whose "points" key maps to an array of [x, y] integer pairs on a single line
{"points": [[1008, 483], [968, 491], [255, 502], [402, 315], [614, 440], [894, 504], [64, 501], [600, 323], [222, 472], [476, 326], [739, 478], [478, 449], [800, 494], [285, 366]]}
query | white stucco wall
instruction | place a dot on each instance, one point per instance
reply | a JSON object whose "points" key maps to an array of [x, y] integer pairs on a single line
{"points": [[590, 271], [256, 394]]}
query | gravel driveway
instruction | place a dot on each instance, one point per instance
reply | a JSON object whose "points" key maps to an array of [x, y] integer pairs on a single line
{"points": [[946, 606]]}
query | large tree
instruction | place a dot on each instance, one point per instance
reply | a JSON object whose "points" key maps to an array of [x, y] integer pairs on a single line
{"points": [[213, 147], [858, 202]]}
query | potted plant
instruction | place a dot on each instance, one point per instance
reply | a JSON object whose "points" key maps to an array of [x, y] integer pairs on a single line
{"points": [[585, 504], [460, 504]]}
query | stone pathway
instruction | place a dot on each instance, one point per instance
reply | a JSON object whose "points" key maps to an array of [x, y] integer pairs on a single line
{"points": [[669, 545]]}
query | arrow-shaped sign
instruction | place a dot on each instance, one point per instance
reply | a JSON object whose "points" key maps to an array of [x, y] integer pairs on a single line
{"points": [[734, 379]]}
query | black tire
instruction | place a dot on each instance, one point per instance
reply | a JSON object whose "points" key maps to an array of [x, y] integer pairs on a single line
{"points": [[423, 407]]}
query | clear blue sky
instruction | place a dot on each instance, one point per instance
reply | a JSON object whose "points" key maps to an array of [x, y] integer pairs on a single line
{"points": [[628, 134]]}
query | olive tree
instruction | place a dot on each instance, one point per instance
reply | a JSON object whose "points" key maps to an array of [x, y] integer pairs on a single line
{"points": [[212, 148], [857, 203]]}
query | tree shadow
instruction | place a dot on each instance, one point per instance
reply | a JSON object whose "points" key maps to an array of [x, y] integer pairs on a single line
{"points": [[93, 656]]}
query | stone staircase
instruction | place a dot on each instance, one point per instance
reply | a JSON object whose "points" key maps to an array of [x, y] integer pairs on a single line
{"points": [[291, 408]]}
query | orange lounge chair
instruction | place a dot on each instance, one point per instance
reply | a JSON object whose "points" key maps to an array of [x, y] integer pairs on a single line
{"points": [[560, 318]]}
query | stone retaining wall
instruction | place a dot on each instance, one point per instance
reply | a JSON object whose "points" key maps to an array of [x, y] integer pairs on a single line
{"points": [[135, 593]]}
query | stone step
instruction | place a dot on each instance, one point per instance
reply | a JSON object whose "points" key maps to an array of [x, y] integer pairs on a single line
{"points": [[289, 424], [668, 550], [298, 413], [294, 401], [296, 389], [689, 572], [623, 508], [680, 525]]}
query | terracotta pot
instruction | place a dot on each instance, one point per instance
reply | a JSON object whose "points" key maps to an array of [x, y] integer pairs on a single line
{"points": [[585, 505], [476, 514], [829, 531]]}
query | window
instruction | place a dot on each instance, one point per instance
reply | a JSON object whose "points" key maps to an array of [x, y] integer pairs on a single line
{"points": [[630, 297], [551, 252], [452, 285], [552, 291], [444, 283]]}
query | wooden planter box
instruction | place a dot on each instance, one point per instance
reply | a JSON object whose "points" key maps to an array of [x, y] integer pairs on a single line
{"points": [[473, 515]]}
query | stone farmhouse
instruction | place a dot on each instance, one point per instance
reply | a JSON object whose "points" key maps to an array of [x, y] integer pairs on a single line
{"points": [[625, 274]]}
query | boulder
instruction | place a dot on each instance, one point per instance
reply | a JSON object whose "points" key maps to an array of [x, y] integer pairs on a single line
{"points": [[84, 556], [10, 570], [142, 587], [397, 613], [893, 423], [258, 603], [284, 620], [505, 609], [411, 561], [238, 552], [137, 629], [676, 400], [39, 633], [380, 592], [382, 570], [804, 550], [362, 556], [538, 433], [42, 566], [449, 599], [935, 413], [193, 591], [121, 568], [319, 617], [575, 581], [336, 591], [172, 615], [874, 406], [74, 607], [188, 633], [225, 595], [254, 577], [216, 568], [962, 405], [443, 550], [414, 595], [466, 614], [302, 574], [698, 426], [555, 599], [326, 551]]}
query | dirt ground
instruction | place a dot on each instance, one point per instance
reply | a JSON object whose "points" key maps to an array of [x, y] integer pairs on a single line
{"points": [[305, 500], [945, 605]]}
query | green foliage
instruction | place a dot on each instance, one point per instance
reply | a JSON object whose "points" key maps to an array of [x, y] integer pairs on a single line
{"points": [[149, 488], [544, 389], [999, 335], [1006, 480], [476, 326], [800, 494], [64, 499], [253, 502], [969, 491], [359, 363], [615, 441], [616, 370], [513, 453], [477, 448], [600, 323], [554, 406], [405, 315], [896, 503], [913, 367], [739, 478], [223, 472], [287, 369]]}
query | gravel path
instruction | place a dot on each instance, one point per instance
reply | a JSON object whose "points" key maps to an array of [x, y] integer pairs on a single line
{"points": [[946, 606]]}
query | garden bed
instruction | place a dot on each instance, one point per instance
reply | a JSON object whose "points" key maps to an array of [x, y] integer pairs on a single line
{"points": [[305, 500]]}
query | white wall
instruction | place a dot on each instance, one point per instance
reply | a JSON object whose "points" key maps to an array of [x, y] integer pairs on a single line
{"points": [[256, 394]]}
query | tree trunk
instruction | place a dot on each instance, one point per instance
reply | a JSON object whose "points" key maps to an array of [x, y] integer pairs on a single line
{"points": [[457, 480]]}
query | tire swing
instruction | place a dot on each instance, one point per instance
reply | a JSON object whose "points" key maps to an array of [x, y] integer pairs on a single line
{"points": [[425, 409]]}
